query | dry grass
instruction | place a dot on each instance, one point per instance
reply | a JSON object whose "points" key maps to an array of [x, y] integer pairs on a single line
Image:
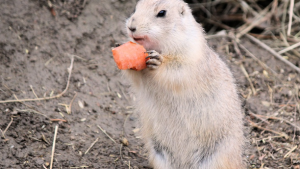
{"points": [[273, 26]]}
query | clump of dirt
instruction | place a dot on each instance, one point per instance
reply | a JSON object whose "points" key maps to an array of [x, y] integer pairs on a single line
{"points": [[97, 126]]}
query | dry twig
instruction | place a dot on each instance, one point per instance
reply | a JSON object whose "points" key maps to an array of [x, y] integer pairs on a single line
{"points": [[259, 117], [272, 131], [106, 134], [287, 154], [289, 48], [33, 91], [32, 111], [44, 166], [3, 133], [263, 16], [262, 64], [91, 146], [275, 118], [290, 17], [69, 107], [47, 98], [62, 120], [84, 166], [53, 146], [278, 56], [248, 78], [121, 146], [284, 106]]}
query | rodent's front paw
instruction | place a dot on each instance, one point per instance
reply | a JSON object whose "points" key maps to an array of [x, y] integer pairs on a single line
{"points": [[155, 59]]}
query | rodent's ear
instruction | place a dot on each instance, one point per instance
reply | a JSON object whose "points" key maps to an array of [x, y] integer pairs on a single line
{"points": [[182, 10]]}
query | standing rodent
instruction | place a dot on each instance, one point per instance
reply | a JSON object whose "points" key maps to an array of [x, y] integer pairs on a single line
{"points": [[187, 98]]}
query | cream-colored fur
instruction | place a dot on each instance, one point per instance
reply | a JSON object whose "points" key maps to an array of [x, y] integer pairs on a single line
{"points": [[189, 107]]}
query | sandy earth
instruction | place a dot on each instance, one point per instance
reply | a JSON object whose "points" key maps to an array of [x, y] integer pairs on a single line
{"points": [[35, 53]]}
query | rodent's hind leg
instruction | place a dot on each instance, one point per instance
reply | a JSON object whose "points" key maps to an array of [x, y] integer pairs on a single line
{"points": [[155, 59], [158, 157], [158, 160]]}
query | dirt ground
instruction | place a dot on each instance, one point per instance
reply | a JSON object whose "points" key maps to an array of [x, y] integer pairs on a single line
{"points": [[37, 43]]}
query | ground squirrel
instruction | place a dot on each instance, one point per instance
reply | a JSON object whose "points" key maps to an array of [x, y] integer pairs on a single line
{"points": [[187, 98]]}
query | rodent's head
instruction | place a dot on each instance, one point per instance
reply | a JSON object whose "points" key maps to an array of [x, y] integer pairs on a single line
{"points": [[157, 22]]}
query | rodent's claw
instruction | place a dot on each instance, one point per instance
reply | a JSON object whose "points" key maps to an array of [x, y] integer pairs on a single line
{"points": [[150, 52], [117, 44], [155, 59]]}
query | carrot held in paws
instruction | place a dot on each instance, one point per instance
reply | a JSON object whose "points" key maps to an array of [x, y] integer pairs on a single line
{"points": [[130, 56]]}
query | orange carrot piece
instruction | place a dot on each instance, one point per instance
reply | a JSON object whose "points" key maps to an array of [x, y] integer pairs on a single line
{"points": [[130, 56]]}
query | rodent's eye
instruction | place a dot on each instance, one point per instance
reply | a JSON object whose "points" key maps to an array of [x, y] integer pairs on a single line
{"points": [[161, 13]]}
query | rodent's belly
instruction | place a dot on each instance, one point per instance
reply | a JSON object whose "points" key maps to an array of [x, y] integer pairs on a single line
{"points": [[181, 120], [177, 132]]}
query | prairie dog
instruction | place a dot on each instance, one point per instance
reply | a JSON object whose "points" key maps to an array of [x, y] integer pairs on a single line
{"points": [[187, 98]]}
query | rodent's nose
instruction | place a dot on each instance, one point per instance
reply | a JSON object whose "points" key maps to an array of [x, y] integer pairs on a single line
{"points": [[132, 29]]}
